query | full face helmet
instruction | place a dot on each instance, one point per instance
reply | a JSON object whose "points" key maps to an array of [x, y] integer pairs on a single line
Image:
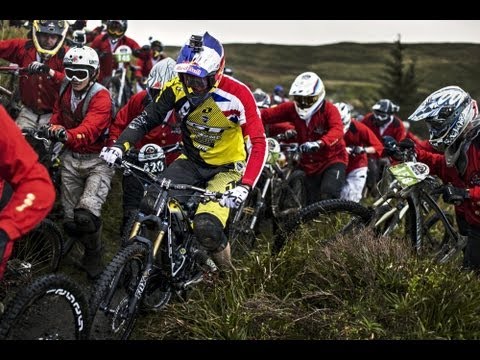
{"points": [[346, 114], [200, 67], [383, 111], [81, 63], [308, 94], [448, 112], [161, 72], [58, 28], [261, 98], [116, 28]]}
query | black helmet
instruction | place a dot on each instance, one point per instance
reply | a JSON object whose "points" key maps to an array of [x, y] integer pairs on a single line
{"points": [[383, 111], [228, 71], [117, 28]]}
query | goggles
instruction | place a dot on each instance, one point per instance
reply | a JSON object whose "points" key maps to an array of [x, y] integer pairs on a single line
{"points": [[76, 74], [304, 102], [381, 116], [115, 29], [195, 82]]}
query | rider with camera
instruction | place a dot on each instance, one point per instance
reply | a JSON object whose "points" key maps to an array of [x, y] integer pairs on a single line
{"points": [[81, 118], [42, 56], [218, 117]]}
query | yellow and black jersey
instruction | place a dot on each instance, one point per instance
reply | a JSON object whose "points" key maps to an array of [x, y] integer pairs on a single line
{"points": [[216, 132]]}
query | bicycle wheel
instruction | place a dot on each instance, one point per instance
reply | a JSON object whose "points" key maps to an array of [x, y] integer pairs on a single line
{"points": [[52, 307], [39, 251], [240, 232], [112, 313], [433, 240], [323, 221]]}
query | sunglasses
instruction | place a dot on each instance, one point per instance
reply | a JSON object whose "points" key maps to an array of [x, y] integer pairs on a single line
{"points": [[304, 102], [76, 74]]}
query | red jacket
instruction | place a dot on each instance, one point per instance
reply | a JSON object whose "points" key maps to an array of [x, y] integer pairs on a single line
{"points": [[360, 135], [161, 135], [325, 124], [102, 45], [395, 129], [470, 208], [84, 134], [38, 92], [33, 191]]}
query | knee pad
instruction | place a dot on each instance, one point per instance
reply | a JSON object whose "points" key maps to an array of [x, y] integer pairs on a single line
{"points": [[86, 222], [209, 232]]}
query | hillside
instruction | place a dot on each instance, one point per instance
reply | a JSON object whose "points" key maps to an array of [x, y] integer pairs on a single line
{"points": [[350, 70]]}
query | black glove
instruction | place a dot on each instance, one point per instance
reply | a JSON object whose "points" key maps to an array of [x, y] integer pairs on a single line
{"points": [[36, 67], [3, 243], [57, 133], [290, 134], [357, 150], [406, 144], [454, 195]]}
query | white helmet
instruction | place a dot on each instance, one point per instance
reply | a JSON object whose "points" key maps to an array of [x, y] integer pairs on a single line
{"points": [[161, 72], [346, 114], [81, 56], [308, 94]]}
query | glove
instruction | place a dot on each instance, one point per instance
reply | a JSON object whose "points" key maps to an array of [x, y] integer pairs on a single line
{"points": [[454, 195], [290, 134], [310, 146], [36, 67], [235, 197], [406, 144], [57, 133], [357, 150], [111, 154]]}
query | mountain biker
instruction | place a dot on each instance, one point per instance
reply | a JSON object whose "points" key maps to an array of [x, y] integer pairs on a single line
{"points": [[217, 116], [106, 43], [33, 192], [360, 141], [42, 56], [164, 134], [81, 118], [278, 95], [153, 54], [452, 119], [319, 131], [383, 122]]}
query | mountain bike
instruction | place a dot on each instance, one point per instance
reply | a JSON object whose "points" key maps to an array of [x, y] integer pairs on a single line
{"points": [[409, 193], [52, 307], [280, 192], [161, 259], [9, 90]]}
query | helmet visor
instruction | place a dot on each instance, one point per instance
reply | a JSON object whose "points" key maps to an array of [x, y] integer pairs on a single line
{"points": [[304, 102], [76, 74]]}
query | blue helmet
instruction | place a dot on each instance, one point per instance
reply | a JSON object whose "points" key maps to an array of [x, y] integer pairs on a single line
{"points": [[200, 66]]}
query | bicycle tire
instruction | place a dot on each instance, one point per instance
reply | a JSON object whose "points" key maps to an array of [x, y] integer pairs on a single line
{"points": [[327, 214], [52, 307], [116, 286], [435, 240]]}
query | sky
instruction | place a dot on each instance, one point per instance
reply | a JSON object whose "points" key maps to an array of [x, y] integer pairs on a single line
{"points": [[304, 32]]}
